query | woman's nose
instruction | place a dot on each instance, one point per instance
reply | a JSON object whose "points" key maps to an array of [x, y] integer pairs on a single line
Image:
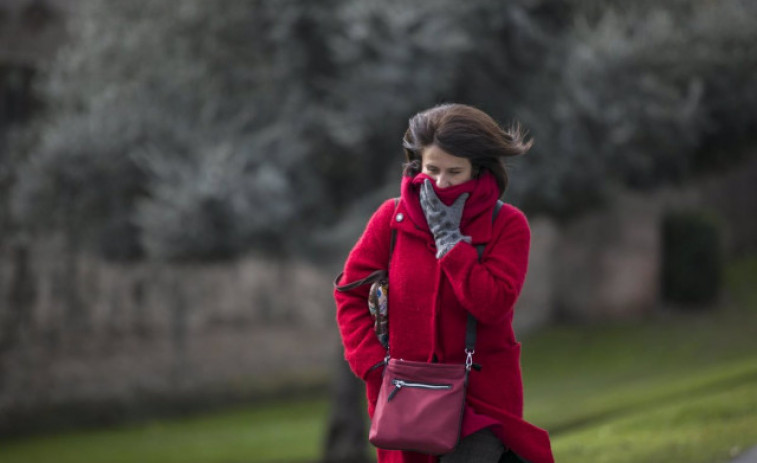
{"points": [[442, 181]]}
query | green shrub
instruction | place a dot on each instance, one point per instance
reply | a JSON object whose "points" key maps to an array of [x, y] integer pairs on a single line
{"points": [[692, 264]]}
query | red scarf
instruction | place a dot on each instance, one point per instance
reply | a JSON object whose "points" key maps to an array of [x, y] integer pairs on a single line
{"points": [[483, 191]]}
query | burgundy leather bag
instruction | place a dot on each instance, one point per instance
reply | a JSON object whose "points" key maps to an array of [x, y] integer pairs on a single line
{"points": [[420, 407]]}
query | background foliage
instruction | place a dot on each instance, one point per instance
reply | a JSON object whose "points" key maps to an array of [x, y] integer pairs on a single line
{"points": [[201, 130]]}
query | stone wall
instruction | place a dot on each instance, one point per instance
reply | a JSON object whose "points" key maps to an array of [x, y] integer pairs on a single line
{"points": [[148, 331], [606, 264]]}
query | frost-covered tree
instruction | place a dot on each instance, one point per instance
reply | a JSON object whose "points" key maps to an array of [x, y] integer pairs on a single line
{"points": [[236, 125], [183, 127], [646, 93], [199, 130]]}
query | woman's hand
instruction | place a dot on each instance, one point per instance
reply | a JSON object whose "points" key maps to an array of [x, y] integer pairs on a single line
{"points": [[443, 221]]}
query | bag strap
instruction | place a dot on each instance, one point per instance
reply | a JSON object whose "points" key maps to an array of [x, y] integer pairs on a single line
{"points": [[371, 278], [375, 275], [394, 234], [470, 329]]}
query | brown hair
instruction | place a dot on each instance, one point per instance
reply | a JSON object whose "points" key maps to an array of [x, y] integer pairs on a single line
{"points": [[466, 132]]}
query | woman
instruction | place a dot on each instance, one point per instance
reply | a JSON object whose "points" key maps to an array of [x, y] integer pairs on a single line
{"points": [[454, 164]]}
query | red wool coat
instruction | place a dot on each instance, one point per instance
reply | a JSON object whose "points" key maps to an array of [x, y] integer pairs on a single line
{"points": [[429, 300]]}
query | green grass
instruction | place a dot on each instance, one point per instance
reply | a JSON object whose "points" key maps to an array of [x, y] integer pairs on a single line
{"points": [[685, 413], [280, 432], [577, 376], [698, 428], [676, 388]]}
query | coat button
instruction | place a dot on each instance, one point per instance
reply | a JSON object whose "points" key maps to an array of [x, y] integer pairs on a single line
{"points": [[400, 217]]}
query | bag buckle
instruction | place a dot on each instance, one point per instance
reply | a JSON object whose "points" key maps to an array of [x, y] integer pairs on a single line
{"points": [[469, 358]]}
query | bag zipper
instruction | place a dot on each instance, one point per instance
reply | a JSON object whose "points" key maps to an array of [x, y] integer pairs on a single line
{"points": [[400, 383]]}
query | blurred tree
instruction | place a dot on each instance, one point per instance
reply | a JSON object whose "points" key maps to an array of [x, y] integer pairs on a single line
{"points": [[345, 436], [180, 128], [692, 259], [641, 99], [210, 128]]}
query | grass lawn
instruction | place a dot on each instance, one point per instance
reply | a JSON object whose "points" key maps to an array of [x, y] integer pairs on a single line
{"points": [[279, 432], [682, 390], [679, 388]]}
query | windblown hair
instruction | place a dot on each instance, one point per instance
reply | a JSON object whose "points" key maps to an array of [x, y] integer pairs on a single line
{"points": [[467, 132]]}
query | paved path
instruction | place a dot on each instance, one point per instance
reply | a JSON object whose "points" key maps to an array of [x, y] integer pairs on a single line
{"points": [[749, 456]]}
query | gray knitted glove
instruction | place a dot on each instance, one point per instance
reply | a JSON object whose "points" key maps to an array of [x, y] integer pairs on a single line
{"points": [[443, 221]]}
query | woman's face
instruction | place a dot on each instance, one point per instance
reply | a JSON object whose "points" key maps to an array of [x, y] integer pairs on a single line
{"points": [[446, 170]]}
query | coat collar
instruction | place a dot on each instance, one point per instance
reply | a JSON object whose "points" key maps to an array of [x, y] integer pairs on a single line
{"points": [[477, 214]]}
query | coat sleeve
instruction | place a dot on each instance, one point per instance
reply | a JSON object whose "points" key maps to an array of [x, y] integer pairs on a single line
{"points": [[362, 349], [489, 289]]}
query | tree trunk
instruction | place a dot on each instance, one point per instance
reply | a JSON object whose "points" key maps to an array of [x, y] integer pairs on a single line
{"points": [[76, 317], [179, 332], [346, 437], [17, 320]]}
